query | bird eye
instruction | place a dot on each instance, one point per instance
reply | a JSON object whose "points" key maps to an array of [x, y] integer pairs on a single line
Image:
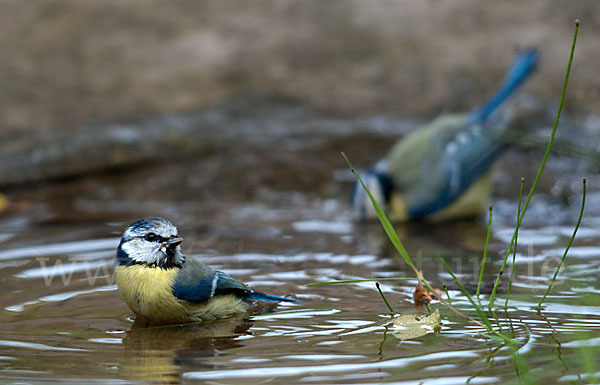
{"points": [[151, 237]]}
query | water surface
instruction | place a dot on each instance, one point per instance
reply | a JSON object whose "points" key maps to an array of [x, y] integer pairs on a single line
{"points": [[274, 213], [64, 321]]}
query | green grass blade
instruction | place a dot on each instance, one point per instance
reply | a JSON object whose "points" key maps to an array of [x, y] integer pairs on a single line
{"points": [[391, 233], [482, 315], [385, 222], [485, 250], [492, 337], [568, 246], [393, 237], [543, 164]]}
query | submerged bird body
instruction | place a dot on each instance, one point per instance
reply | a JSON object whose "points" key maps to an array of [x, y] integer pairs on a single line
{"points": [[158, 283], [441, 170]]}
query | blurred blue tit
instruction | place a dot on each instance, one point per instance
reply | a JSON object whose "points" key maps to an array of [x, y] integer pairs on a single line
{"points": [[441, 171], [160, 284]]}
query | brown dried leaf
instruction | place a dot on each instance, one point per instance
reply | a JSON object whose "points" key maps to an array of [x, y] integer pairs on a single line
{"points": [[421, 296]]}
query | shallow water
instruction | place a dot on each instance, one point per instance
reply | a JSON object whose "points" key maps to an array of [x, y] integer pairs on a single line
{"points": [[280, 221], [64, 321]]}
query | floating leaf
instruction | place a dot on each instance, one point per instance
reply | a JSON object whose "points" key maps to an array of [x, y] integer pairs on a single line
{"points": [[408, 327]]}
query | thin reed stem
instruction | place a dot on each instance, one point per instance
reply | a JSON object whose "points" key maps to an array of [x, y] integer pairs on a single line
{"points": [[542, 165], [485, 250], [447, 294], [393, 237], [512, 267], [384, 299]]}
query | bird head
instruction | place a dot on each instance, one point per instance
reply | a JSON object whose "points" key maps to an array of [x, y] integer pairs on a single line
{"points": [[379, 185], [151, 242]]}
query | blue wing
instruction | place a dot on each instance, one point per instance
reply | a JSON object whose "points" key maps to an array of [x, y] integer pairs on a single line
{"points": [[198, 283], [463, 162]]}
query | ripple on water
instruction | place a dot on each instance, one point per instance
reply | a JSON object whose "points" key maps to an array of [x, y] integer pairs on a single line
{"points": [[321, 357], [328, 368], [36, 346], [583, 342], [299, 314], [63, 269], [575, 252], [59, 297], [537, 237], [323, 227], [61, 248], [349, 343], [112, 341], [556, 308], [329, 258]]}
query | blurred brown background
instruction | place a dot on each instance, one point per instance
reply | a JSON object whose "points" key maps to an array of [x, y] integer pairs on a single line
{"points": [[66, 63], [214, 99]]}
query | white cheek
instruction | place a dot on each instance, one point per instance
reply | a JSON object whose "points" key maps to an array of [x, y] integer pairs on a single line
{"points": [[142, 251]]}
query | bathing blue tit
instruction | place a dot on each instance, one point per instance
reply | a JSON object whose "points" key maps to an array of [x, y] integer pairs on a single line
{"points": [[441, 171], [160, 284]]}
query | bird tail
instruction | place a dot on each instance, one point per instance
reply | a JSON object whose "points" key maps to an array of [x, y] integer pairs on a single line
{"points": [[269, 298], [523, 66]]}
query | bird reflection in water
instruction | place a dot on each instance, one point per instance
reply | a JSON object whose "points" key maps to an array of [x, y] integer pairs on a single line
{"points": [[161, 354]]}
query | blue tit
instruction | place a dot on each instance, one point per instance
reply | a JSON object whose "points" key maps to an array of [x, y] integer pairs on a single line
{"points": [[160, 284], [441, 171]]}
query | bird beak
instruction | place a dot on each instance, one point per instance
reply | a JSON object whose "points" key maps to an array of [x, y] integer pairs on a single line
{"points": [[174, 242]]}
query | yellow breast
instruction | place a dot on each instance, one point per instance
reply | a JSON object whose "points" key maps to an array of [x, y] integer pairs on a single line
{"points": [[148, 291], [470, 204]]}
